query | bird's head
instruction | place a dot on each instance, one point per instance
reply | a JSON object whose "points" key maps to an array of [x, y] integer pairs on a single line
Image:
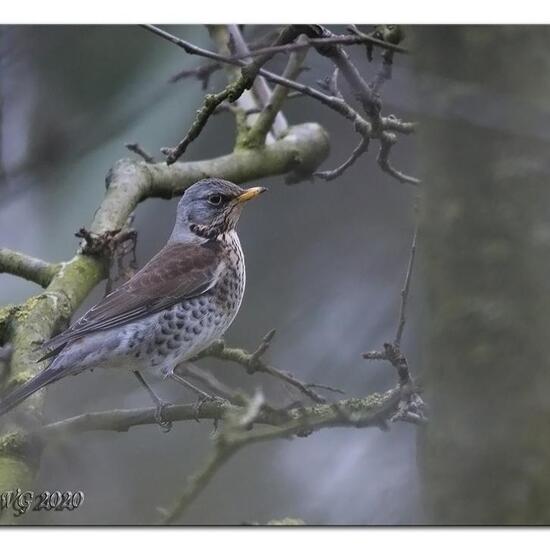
{"points": [[211, 207]]}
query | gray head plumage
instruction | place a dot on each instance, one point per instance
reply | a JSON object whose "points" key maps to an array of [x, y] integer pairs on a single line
{"points": [[210, 207]]}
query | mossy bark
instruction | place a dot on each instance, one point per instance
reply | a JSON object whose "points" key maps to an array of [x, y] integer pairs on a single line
{"points": [[485, 260]]}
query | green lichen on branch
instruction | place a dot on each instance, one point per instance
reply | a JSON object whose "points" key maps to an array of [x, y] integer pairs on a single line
{"points": [[33, 269]]}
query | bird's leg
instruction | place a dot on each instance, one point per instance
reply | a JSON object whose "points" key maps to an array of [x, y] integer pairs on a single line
{"points": [[166, 425], [203, 396]]}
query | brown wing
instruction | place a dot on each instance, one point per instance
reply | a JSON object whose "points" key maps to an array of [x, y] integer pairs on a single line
{"points": [[176, 273]]}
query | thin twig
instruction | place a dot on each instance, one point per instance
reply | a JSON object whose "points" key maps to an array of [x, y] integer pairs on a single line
{"points": [[405, 294], [253, 362], [411, 406], [375, 128], [342, 40], [210, 104], [328, 175], [230, 93], [334, 103], [198, 481], [330, 84], [269, 115], [238, 431], [387, 141], [139, 150], [367, 96], [203, 73], [260, 89]]}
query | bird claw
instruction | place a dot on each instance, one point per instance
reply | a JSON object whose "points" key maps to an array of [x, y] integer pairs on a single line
{"points": [[205, 399], [165, 425]]}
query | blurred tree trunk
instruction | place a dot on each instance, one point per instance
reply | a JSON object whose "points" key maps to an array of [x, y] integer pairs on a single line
{"points": [[485, 260]]}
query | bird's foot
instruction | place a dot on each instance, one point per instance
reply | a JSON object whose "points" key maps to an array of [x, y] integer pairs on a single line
{"points": [[164, 424], [202, 400]]}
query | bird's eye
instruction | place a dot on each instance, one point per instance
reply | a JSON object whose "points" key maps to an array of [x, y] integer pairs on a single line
{"points": [[216, 199]]}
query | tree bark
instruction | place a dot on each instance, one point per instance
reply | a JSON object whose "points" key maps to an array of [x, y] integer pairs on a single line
{"points": [[484, 247]]}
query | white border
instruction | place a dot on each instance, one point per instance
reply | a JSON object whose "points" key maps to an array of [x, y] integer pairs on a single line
{"points": [[281, 11], [274, 538]]}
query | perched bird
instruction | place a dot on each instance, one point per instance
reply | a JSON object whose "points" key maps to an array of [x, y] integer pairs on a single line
{"points": [[181, 301]]}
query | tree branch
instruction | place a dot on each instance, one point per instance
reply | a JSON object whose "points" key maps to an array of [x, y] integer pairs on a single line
{"points": [[260, 88], [341, 40], [253, 362], [238, 431], [271, 111], [334, 103], [230, 93], [374, 128], [128, 183], [27, 267], [411, 407], [405, 294], [328, 175]]}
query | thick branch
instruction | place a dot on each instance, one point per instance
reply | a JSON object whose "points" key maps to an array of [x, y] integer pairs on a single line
{"points": [[356, 412], [27, 267]]}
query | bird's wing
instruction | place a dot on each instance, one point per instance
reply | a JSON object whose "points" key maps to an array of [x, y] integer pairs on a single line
{"points": [[177, 272]]}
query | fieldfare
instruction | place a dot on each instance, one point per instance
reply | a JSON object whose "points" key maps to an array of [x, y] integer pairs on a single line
{"points": [[180, 302]]}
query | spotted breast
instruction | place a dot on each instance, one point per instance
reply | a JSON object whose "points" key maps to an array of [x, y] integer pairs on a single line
{"points": [[182, 331]]}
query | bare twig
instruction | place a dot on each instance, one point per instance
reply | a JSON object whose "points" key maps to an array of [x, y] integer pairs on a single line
{"points": [[405, 294], [374, 128], [334, 103], [384, 73], [387, 141], [260, 88], [367, 95], [197, 482], [230, 93], [330, 84], [203, 73], [339, 170], [246, 108], [327, 388], [139, 150], [269, 115], [342, 40], [211, 103], [238, 431], [411, 406], [253, 362]]}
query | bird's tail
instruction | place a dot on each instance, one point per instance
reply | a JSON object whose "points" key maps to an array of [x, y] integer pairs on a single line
{"points": [[47, 376]]}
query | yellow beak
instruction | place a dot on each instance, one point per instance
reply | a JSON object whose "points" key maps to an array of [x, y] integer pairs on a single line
{"points": [[250, 194]]}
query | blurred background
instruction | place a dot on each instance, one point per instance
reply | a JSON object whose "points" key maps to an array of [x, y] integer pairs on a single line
{"points": [[325, 265]]}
